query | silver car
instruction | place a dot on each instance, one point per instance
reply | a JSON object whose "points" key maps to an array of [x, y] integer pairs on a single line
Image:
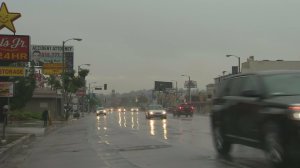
{"points": [[155, 111]]}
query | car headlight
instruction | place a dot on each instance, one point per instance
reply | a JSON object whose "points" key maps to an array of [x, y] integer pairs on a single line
{"points": [[151, 112], [164, 112], [104, 111]]}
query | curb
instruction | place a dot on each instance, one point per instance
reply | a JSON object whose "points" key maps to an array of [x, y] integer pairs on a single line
{"points": [[15, 146]]}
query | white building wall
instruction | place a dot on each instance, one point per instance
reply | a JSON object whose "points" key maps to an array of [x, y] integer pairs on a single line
{"points": [[253, 66]]}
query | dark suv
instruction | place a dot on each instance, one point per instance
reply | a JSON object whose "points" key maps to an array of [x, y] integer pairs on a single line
{"points": [[260, 110], [184, 109]]}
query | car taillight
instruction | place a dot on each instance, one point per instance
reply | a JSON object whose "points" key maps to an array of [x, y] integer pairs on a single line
{"points": [[295, 112], [294, 108], [180, 108]]}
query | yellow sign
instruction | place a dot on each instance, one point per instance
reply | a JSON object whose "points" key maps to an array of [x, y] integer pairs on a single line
{"points": [[52, 71], [12, 71], [7, 18], [53, 66]]}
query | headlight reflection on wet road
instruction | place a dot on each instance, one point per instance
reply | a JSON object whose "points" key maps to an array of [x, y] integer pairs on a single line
{"points": [[155, 124]]}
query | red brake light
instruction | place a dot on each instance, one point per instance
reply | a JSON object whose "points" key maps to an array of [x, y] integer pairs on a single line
{"points": [[294, 108]]}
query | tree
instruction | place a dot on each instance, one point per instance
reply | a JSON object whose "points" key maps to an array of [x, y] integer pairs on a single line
{"points": [[71, 83], [54, 82]]}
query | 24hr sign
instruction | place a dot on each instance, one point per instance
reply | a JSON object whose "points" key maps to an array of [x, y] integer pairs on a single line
{"points": [[14, 48]]}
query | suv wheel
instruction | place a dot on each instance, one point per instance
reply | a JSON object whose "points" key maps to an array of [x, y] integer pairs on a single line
{"points": [[222, 145], [273, 146]]}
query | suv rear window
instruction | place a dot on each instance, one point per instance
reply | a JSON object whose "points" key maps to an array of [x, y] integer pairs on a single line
{"points": [[283, 84]]}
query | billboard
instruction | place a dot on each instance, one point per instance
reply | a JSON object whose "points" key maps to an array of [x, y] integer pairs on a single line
{"points": [[50, 58], [12, 71], [6, 89], [191, 84], [14, 48], [162, 86]]}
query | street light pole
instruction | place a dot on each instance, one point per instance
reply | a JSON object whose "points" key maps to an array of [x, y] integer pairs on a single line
{"points": [[64, 70], [239, 61]]}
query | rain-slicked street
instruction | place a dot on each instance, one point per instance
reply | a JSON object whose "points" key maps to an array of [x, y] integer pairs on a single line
{"points": [[127, 139]]}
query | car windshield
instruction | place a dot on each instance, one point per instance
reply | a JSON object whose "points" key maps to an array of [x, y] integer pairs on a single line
{"points": [[100, 108], [155, 107], [282, 84]]}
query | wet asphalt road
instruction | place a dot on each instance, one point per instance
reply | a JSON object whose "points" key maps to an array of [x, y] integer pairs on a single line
{"points": [[128, 140]]}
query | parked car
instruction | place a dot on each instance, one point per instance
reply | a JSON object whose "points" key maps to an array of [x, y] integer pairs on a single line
{"points": [[100, 111], [155, 110], [260, 110], [184, 109]]}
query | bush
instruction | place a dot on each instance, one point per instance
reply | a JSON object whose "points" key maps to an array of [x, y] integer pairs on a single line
{"points": [[25, 115]]}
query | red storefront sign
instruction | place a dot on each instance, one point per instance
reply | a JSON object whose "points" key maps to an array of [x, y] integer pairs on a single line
{"points": [[14, 48]]}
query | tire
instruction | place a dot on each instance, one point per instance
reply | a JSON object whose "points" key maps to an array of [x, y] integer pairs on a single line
{"points": [[274, 148], [222, 145]]}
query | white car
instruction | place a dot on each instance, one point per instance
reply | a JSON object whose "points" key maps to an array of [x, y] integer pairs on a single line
{"points": [[100, 111], [156, 110]]}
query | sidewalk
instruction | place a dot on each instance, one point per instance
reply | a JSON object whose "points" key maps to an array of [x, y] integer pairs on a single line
{"points": [[20, 133]]}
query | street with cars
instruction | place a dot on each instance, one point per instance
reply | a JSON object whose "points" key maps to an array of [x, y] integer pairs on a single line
{"points": [[128, 139]]}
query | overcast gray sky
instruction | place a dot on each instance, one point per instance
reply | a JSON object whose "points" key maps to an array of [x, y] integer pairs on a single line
{"points": [[132, 43]]}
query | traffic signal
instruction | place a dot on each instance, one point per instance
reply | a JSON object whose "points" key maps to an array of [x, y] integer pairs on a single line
{"points": [[105, 86]]}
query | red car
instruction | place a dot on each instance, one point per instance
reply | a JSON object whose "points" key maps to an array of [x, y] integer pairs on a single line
{"points": [[184, 109]]}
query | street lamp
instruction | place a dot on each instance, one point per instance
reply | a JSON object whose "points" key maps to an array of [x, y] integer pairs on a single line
{"points": [[63, 50], [189, 88], [64, 68], [239, 65]]}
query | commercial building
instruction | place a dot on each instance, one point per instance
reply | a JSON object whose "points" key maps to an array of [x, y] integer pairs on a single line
{"points": [[254, 65]]}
